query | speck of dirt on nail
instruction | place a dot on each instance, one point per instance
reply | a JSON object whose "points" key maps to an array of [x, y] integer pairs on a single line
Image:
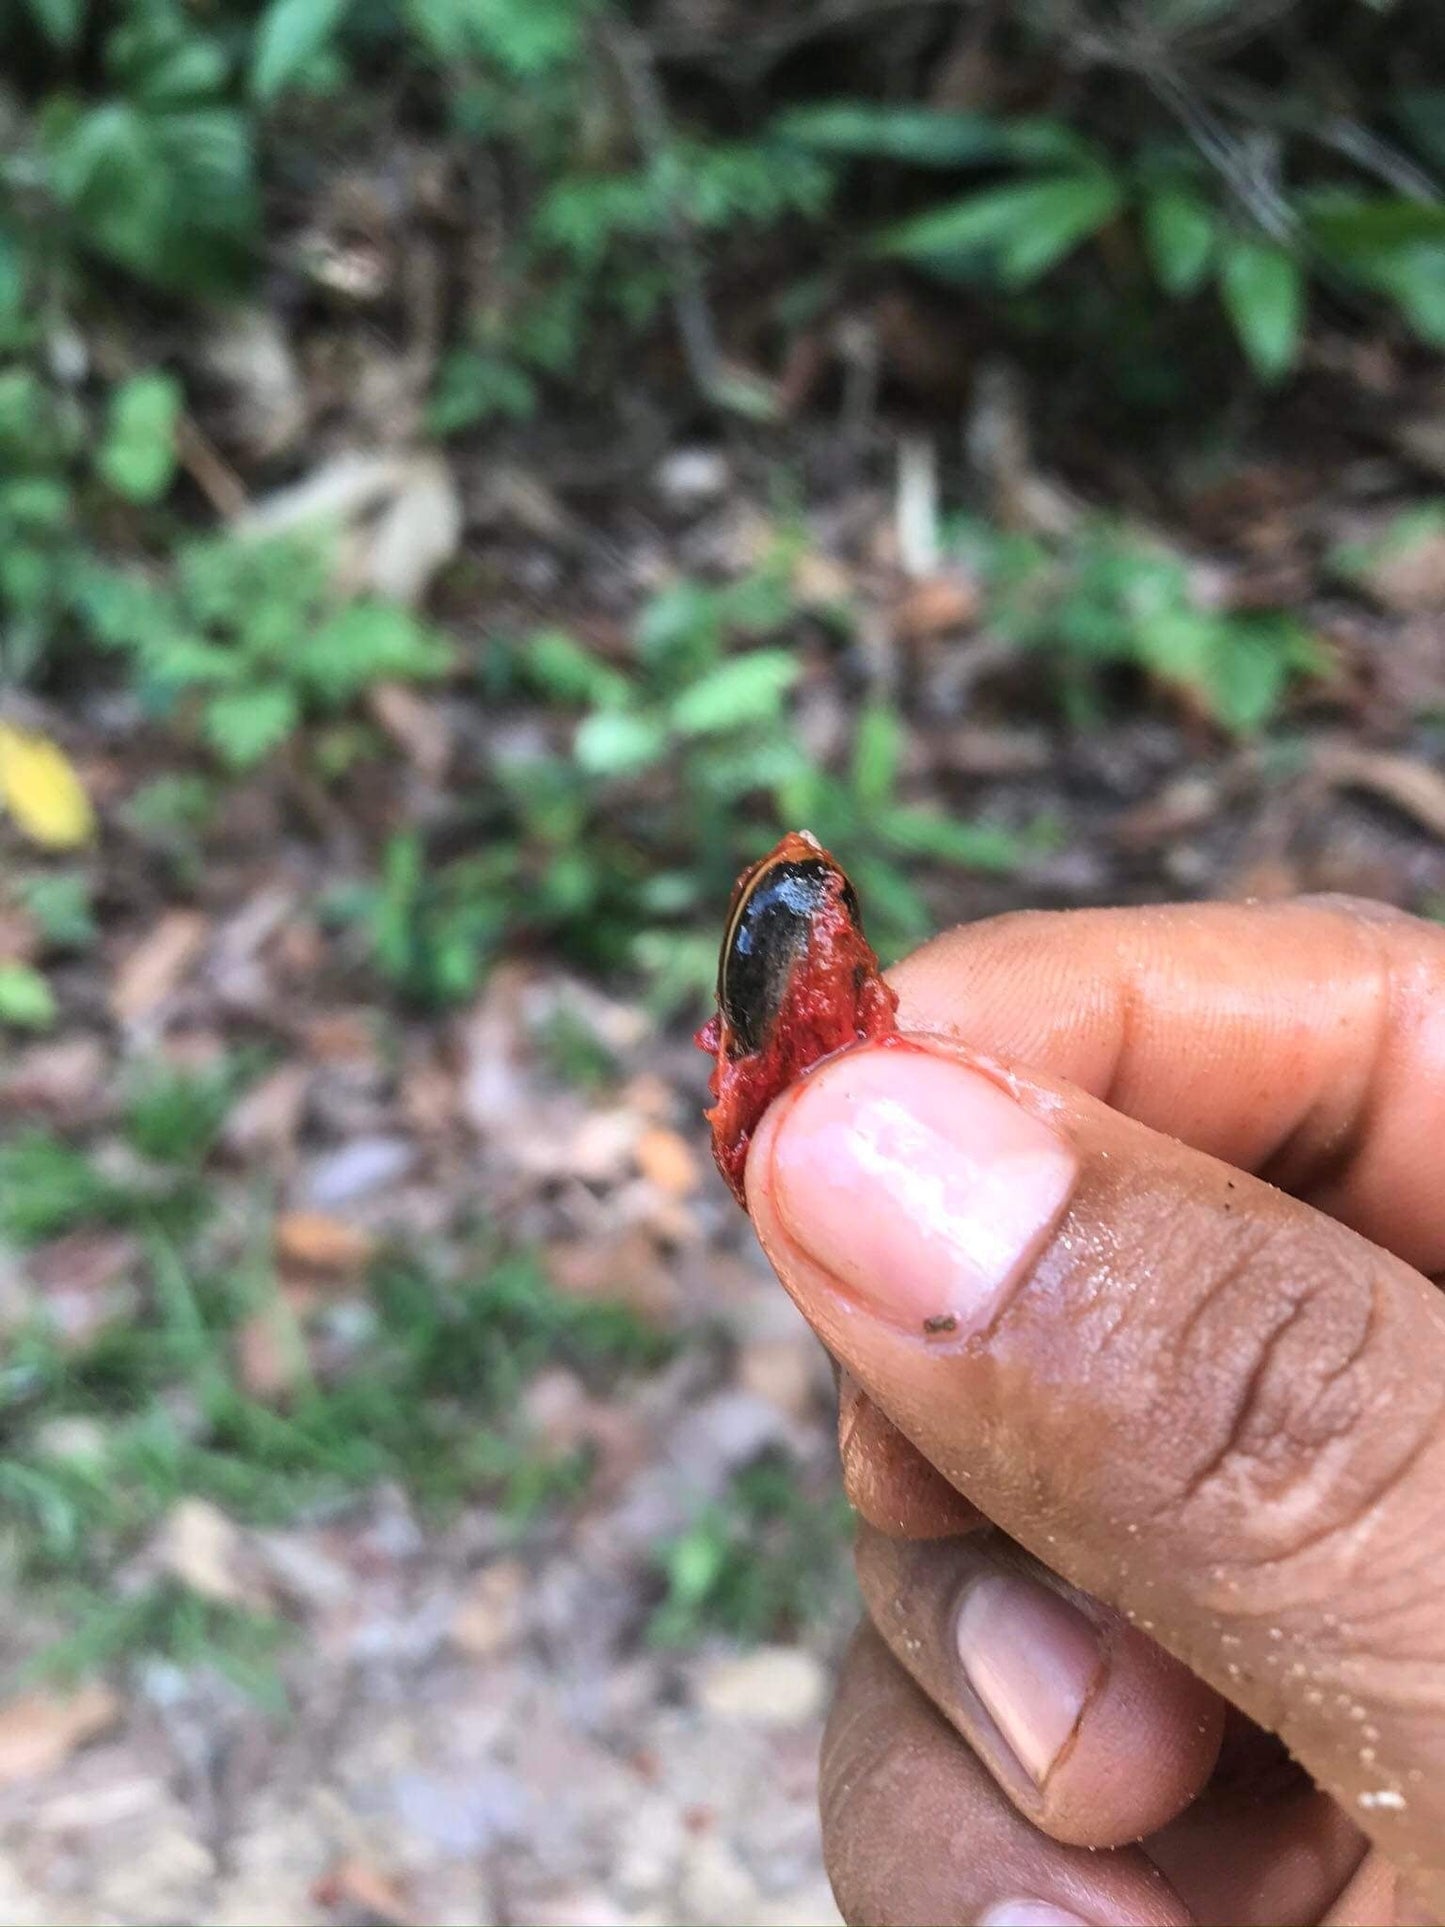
{"points": [[941, 1323]]}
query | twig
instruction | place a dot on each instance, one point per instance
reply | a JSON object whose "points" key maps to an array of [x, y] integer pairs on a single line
{"points": [[215, 478], [916, 506], [689, 296]]}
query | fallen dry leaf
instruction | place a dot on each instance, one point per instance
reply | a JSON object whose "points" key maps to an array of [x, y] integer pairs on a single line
{"points": [[315, 1241], [1411, 785], [417, 727], [42, 792], [939, 606], [270, 1353], [205, 1550], [19, 935], [62, 1081], [40, 1731], [667, 1160], [342, 1037], [154, 969], [85, 1281], [268, 1116], [1408, 577], [819, 581]]}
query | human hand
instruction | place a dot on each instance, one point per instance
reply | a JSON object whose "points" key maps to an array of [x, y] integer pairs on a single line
{"points": [[1204, 1416]]}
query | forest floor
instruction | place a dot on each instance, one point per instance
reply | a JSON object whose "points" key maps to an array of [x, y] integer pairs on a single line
{"points": [[396, 1574]]}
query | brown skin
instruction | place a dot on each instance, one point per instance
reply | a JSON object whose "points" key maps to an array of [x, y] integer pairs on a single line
{"points": [[1207, 1407]]}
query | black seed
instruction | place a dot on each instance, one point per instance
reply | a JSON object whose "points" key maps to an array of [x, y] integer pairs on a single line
{"points": [[767, 937], [943, 1322]]}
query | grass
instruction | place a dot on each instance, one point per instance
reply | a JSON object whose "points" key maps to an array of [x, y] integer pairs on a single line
{"points": [[98, 1444], [766, 1558]]}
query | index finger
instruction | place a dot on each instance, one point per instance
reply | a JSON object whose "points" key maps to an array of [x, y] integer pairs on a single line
{"points": [[1303, 1041]]}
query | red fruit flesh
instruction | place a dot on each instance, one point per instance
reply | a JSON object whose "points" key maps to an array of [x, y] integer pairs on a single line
{"points": [[832, 996]]}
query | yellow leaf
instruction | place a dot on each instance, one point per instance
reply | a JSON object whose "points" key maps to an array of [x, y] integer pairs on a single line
{"points": [[41, 790]]}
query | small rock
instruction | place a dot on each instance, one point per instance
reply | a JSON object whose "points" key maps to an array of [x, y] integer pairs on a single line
{"points": [[715, 1883], [358, 1170], [489, 1615], [82, 1441], [648, 1846], [692, 476], [774, 1686]]}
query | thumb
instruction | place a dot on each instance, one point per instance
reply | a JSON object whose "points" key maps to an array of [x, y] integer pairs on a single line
{"points": [[1186, 1392]]}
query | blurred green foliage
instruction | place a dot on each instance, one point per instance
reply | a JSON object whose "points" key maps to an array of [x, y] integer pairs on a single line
{"points": [[759, 1563], [100, 1440]]}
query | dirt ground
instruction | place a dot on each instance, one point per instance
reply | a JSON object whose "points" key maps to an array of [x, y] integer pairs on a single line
{"points": [[477, 1726]]}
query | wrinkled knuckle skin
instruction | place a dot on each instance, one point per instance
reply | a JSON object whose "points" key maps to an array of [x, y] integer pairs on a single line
{"points": [[1300, 1361]]}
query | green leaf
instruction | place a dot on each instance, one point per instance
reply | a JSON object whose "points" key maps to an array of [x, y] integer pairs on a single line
{"points": [[1064, 213], [26, 1000], [1263, 289], [473, 387], [1179, 233], [59, 20], [745, 690], [1395, 247], [877, 751], [368, 643], [244, 725], [1022, 229], [59, 901], [914, 134], [562, 668], [975, 846], [1352, 225], [12, 276], [137, 456], [618, 742], [1421, 112], [525, 39], [292, 33]]}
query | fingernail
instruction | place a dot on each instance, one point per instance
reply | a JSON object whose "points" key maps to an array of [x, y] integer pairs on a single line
{"points": [[1029, 1913], [1033, 1660], [918, 1185]]}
